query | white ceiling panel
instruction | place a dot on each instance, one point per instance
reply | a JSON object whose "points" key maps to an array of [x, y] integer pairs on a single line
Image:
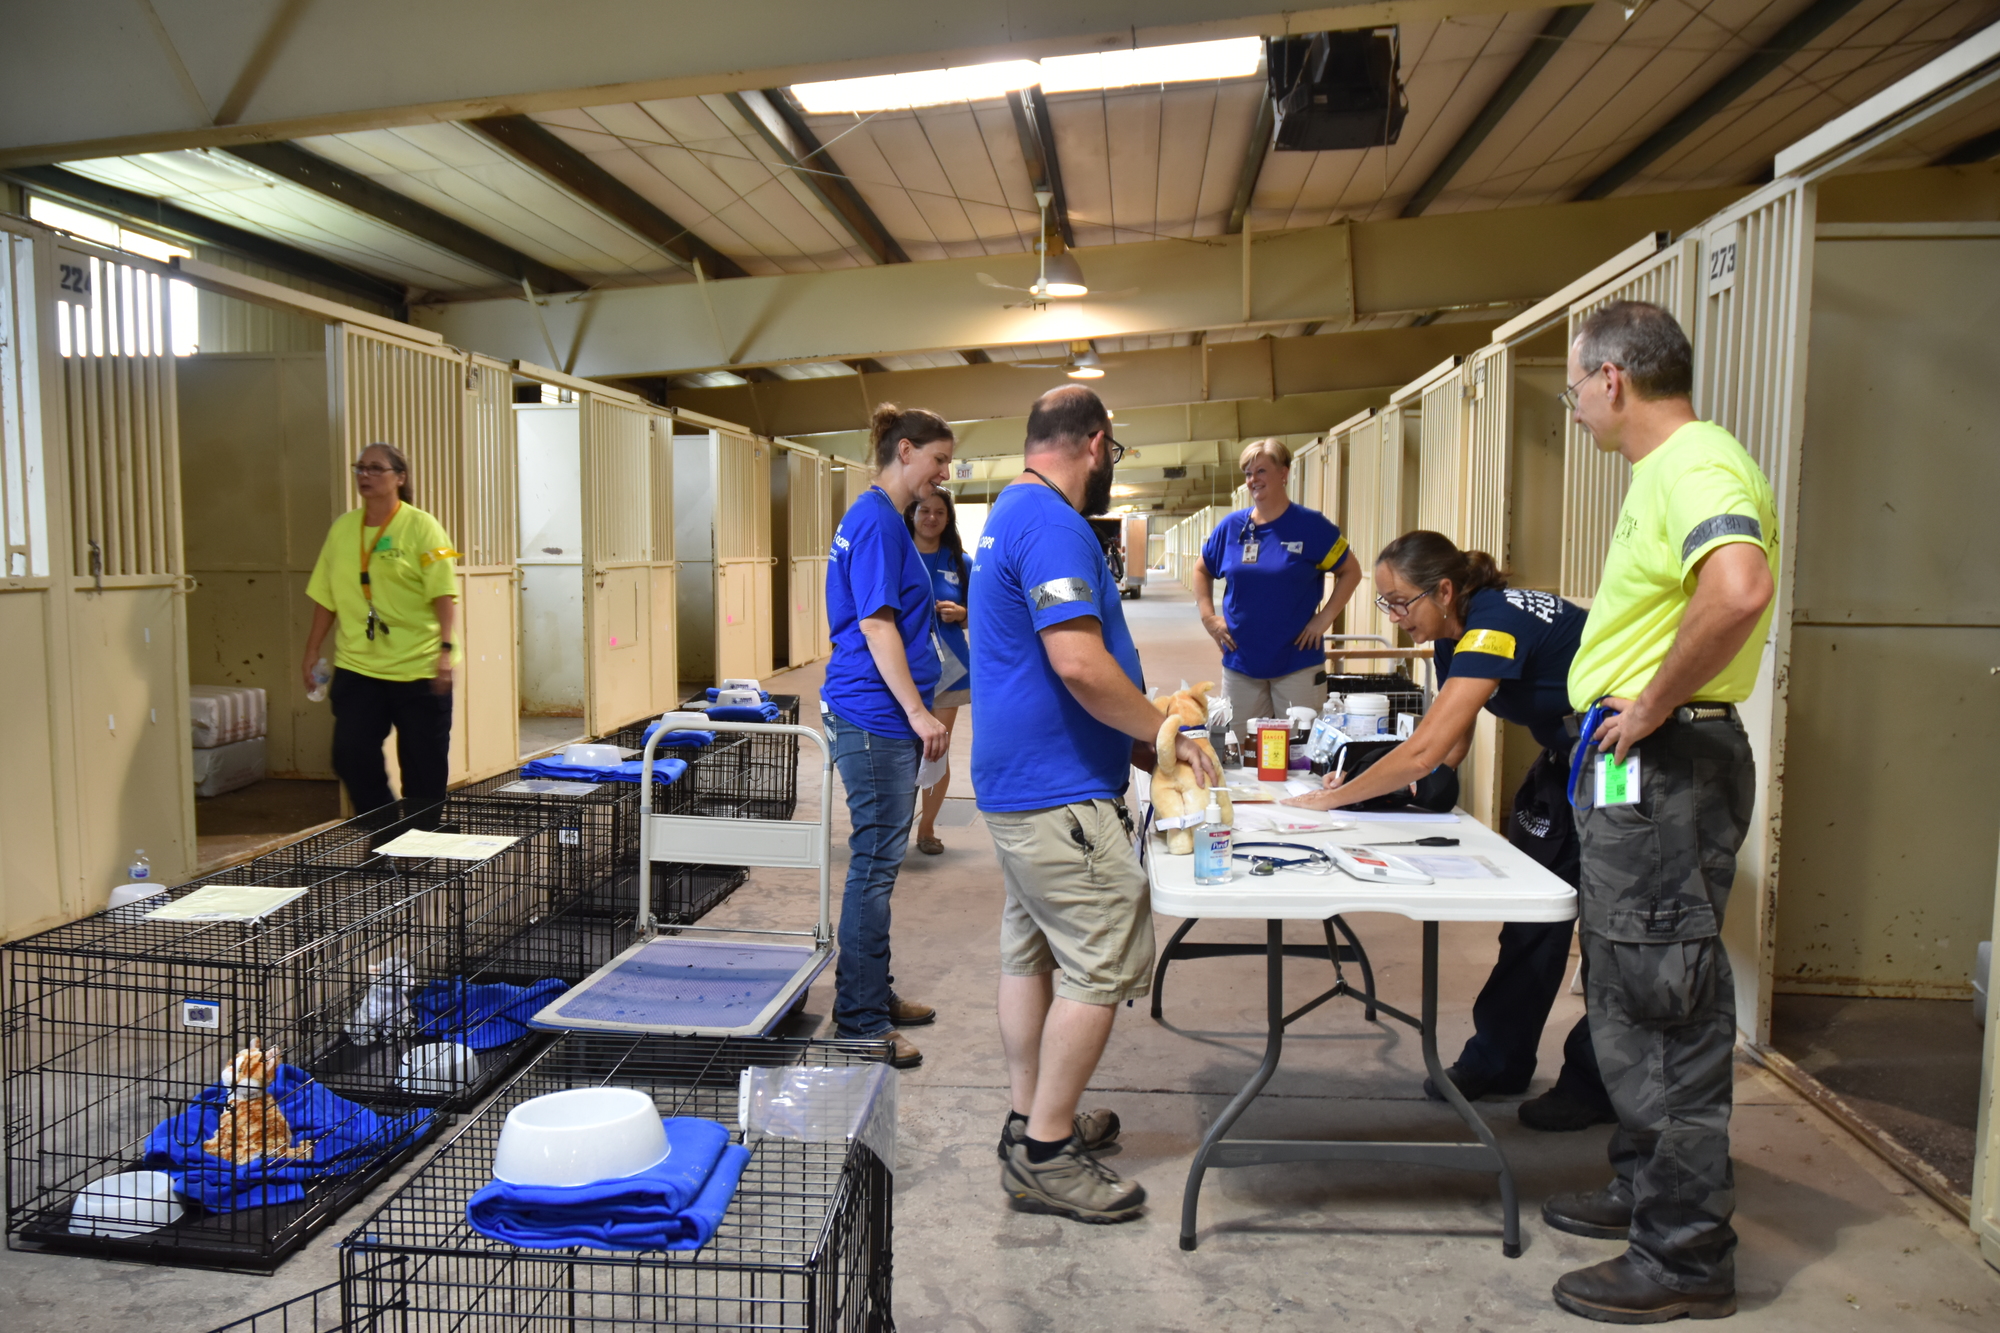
{"points": [[221, 188]]}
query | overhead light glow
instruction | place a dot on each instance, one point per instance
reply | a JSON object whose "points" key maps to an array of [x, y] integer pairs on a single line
{"points": [[924, 87], [1188, 62], [1063, 276], [1086, 372]]}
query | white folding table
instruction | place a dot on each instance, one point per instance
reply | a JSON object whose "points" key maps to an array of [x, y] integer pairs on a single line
{"points": [[1519, 890]]}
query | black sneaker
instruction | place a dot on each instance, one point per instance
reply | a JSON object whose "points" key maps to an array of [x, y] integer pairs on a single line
{"points": [[1472, 1086], [1555, 1112], [1598, 1214], [1071, 1184], [1094, 1129]]}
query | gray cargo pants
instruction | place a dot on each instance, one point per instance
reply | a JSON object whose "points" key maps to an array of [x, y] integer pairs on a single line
{"points": [[1662, 1006]]}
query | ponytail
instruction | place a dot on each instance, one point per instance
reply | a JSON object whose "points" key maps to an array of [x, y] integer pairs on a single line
{"points": [[1427, 559], [892, 424]]}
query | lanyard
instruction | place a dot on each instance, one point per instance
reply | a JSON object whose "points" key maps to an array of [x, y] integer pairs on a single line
{"points": [[367, 554], [1250, 542], [1593, 718]]}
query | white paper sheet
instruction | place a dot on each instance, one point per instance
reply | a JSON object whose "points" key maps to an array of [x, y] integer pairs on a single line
{"points": [[548, 787], [1289, 819], [1456, 867], [226, 902], [450, 846]]}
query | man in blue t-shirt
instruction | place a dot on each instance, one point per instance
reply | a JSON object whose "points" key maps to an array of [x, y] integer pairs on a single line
{"points": [[1055, 721]]}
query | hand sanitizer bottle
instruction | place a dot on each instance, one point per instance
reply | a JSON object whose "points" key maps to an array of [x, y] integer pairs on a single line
{"points": [[1212, 844]]}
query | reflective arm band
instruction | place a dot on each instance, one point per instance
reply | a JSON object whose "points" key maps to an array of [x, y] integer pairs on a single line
{"points": [[1722, 525]]}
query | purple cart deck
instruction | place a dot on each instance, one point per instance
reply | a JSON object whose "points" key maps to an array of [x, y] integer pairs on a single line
{"points": [[689, 987]]}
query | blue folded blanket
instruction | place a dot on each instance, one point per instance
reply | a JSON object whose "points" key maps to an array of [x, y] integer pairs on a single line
{"points": [[676, 1205], [481, 1017], [712, 693], [344, 1138], [689, 737], [667, 769], [745, 713]]}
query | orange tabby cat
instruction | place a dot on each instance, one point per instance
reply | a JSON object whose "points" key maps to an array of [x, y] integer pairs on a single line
{"points": [[252, 1126]]}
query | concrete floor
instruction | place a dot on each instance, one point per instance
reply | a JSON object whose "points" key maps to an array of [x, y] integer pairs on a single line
{"points": [[1832, 1239], [262, 815]]}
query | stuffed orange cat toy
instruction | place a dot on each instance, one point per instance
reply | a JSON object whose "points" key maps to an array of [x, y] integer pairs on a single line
{"points": [[1177, 789], [252, 1126]]}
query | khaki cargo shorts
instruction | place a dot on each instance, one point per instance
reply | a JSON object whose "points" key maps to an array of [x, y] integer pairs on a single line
{"points": [[1076, 900]]}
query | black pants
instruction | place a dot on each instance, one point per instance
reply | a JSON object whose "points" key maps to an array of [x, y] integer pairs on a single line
{"points": [[1513, 1006], [365, 708]]}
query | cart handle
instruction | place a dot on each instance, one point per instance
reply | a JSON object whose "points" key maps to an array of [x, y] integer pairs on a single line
{"points": [[674, 721]]}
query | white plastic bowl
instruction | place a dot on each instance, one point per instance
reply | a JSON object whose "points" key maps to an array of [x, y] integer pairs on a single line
{"points": [[129, 1204], [593, 756], [580, 1137], [438, 1070]]}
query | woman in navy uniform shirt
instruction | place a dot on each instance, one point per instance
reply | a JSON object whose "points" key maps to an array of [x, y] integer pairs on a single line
{"points": [[876, 706], [1508, 651], [933, 524], [1275, 556]]}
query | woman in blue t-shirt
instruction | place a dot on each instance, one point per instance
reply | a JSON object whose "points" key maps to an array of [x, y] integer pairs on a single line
{"points": [[1275, 556], [1506, 650], [933, 524], [876, 702]]}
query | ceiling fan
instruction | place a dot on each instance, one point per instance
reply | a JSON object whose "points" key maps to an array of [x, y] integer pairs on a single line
{"points": [[1083, 363], [1059, 276]]}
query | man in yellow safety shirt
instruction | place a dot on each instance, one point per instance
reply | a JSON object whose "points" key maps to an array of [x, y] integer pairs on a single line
{"points": [[1663, 791]]}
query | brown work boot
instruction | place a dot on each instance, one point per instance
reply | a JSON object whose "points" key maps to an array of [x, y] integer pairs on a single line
{"points": [[1071, 1184], [1093, 1129], [903, 1053], [909, 1014], [1599, 1214], [1617, 1292]]}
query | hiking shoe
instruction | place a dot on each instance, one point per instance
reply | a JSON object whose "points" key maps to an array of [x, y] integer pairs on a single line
{"points": [[1071, 1184], [909, 1014], [1616, 1292], [1471, 1086], [1555, 1112], [1094, 1130], [1598, 1214]]}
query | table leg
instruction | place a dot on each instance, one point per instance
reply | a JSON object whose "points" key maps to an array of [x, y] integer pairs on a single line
{"points": [[1360, 957], [1274, 1041], [1510, 1228], [1166, 955]]}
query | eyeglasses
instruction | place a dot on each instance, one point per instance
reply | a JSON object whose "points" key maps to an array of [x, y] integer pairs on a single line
{"points": [[1568, 397], [372, 469], [1117, 449], [1396, 610]]}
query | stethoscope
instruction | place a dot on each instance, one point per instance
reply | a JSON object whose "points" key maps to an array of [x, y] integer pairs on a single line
{"points": [[1593, 718], [1314, 862]]}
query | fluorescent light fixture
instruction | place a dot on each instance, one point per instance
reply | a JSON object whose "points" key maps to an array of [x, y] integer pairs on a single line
{"points": [[1188, 62], [924, 87]]}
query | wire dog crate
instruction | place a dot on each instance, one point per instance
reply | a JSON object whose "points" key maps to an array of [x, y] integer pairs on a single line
{"points": [[118, 1029], [742, 775], [805, 1244]]}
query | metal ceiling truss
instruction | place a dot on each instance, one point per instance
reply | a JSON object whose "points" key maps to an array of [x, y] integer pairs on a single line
{"points": [[1038, 149], [147, 212], [774, 116], [292, 163], [543, 151]]}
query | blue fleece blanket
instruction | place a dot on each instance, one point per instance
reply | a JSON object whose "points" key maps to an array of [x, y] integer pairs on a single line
{"points": [[676, 1205], [745, 713], [712, 693], [481, 1017], [689, 737], [344, 1138], [665, 770]]}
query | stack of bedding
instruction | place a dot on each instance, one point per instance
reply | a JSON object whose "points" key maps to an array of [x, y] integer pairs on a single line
{"points": [[229, 727]]}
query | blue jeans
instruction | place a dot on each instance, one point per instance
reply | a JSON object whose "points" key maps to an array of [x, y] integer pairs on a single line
{"points": [[880, 774]]}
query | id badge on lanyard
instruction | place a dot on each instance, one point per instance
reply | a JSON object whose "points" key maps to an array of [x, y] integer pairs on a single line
{"points": [[1250, 543]]}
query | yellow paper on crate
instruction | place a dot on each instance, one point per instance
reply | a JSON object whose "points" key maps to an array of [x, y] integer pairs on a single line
{"points": [[451, 846], [226, 902]]}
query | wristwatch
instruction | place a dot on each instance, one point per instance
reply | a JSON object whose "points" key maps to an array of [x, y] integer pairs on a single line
{"points": [[446, 644]]}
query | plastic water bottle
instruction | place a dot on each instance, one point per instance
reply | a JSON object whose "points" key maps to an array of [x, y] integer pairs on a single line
{"points": [[141, 868], [1232, 752], [1212, 843], [322, 674]]}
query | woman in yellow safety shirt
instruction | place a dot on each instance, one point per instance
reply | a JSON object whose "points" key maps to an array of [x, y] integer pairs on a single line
{"points": [[386, 576]]}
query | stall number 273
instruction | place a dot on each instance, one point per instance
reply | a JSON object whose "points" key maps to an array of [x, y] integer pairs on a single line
{"points": [[1721, 267]]}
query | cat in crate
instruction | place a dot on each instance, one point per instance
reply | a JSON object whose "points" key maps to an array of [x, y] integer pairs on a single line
{"points": [[384, 1012], [252, 1125]]}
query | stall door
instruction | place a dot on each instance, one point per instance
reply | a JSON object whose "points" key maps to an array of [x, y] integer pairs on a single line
{"points": [[618, 521], [663, 569], [488, 541], [124, 570], [1441, 493], [807, 553], [743, 639]]}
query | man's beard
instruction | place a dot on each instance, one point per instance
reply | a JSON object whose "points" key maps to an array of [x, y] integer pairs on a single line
{"points": [[1097, 489]]}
